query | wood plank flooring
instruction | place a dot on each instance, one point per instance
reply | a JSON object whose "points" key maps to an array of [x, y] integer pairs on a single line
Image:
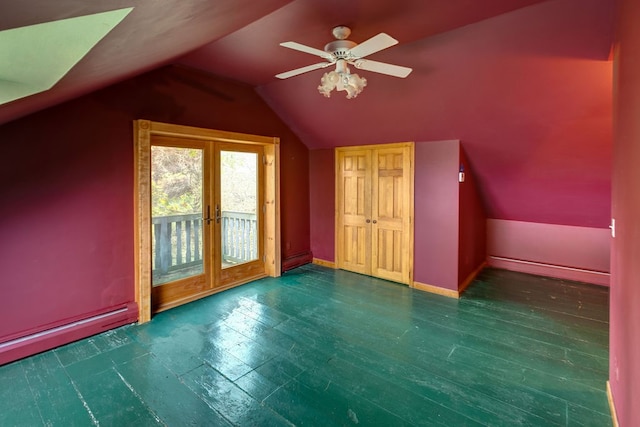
{"points": [[326, 347]]}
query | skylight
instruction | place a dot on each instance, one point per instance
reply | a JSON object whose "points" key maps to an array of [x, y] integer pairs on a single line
{"points": [[34, 58]]}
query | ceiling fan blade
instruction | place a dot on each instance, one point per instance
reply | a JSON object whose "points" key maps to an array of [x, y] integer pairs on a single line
{"points": [[382, 67], [307, 49], [302, 70], [373, 45]]}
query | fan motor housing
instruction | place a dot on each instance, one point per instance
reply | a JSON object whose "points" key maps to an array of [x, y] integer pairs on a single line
{"points": [[340, 48]]}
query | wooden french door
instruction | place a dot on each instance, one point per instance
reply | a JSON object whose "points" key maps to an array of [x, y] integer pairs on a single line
{"points": [[215, 257], [374, 210], [206, 217]]}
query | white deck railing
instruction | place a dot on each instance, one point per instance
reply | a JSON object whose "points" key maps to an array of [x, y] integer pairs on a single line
{"points": [[178, 240]]}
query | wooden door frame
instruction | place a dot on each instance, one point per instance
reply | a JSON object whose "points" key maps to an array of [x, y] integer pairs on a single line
{"points": [[409, 222], [143, 131]]}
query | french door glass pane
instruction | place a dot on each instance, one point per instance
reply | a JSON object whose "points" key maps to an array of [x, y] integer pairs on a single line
{"points": [[239, 197], [176, 211]]}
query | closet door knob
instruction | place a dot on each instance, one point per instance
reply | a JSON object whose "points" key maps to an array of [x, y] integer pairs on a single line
{"points": [[368, 221], [375, 222]]}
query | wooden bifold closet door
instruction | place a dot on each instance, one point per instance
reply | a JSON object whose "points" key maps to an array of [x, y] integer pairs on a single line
{"points": [[374, 210]]}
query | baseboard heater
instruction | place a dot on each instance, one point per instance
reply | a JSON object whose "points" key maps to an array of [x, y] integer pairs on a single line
{"points": [[296, 261], [557, 271], [47, 339]]}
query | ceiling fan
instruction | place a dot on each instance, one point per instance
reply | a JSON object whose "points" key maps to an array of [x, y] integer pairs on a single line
{"points": [[343, 52]]}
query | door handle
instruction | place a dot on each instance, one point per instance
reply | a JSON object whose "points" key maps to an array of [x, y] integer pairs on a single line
{"points": [[375, 222], [368, 221], [218, 214], [208, 218]]}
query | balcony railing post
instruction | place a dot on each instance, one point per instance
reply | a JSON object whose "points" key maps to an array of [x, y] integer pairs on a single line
{"points": [[163, 242], [187, 231], [197, 226], [179, 243]]}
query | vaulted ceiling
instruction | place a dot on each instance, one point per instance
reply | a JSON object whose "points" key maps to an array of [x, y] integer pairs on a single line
{"points": [[524, 84]]}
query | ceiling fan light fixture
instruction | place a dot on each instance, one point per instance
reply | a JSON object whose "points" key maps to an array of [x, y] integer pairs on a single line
{"points": [[342, 79], [353, 84]]}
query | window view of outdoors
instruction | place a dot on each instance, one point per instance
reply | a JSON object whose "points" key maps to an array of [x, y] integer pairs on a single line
{"points": [[239, 191], [177, 210]]}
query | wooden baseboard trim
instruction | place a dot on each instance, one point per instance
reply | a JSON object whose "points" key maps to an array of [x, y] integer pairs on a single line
{"points": [[612, 406], [470, 278], [450, 292], [436, 290], [324, 263]]}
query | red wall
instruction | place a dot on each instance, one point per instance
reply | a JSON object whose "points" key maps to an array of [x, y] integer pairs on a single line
{"points": [[624, 372], [66, 174], [65, 219], [322, 204]]}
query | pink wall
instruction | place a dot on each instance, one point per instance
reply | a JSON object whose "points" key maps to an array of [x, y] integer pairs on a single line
{"points": [[624, 372], [472, 224], [436, 213], [66, 217], [322, 204], [567, 252]]}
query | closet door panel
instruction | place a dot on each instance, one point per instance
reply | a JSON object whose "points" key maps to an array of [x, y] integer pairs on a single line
{"points": [[353, 209], [389, 191]]}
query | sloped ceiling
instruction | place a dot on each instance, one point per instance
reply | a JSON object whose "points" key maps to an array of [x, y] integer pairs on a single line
{"points": [[524, 84], [155, 33]]}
